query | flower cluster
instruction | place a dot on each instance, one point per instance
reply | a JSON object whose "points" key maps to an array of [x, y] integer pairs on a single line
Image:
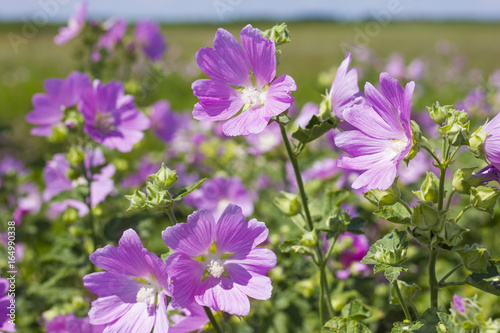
{"points": [[216, 264]]}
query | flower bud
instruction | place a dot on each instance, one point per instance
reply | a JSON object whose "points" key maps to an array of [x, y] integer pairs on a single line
{"points": [[429, 189], [475, 258], [137, 200], [425, 216], [165, 177], [439, 113], [75, 156], [387, 197], [462, 180], [279, 34], [309, 238], [484, 198], [476, 142], [450, 233], [59, 133], [290, 205]]}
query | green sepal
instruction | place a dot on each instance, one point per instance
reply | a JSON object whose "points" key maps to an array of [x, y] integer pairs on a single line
{"points": [[314, 129]]}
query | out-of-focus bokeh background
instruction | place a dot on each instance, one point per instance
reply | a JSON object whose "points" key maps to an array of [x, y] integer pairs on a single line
{"points": [[322, 31]]}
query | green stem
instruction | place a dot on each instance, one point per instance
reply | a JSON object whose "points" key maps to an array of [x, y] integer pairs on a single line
{"points": [[401, 300], [441, 282], [449, 199], [466, 208], [432, 279], [171, 216], [442, 176], [459, 283], [433, 154], [328, 300], [408, 208], [298, 176], [310, 227], [212, 319]]}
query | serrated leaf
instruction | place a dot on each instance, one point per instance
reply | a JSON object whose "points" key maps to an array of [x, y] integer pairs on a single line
{"points": [[447, 325], [396, 213], [490, 281], [314, 129], [294, 246], [355, 310], [343, 325], [186, 190], [355, 226], [426, 323], [391, 273]]}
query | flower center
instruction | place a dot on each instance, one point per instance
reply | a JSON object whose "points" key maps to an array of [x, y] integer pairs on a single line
{"points": [[215, 267], [104, 122], [253, 96], [396, 147], [146, 295]]}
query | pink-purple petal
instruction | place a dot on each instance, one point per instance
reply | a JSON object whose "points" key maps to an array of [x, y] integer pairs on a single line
{"points": [[227, 63], [186, 275], [251, 121], [278, 97], [221, 294], [261, 54], [217, 100], [194, 237], [380, 176]]}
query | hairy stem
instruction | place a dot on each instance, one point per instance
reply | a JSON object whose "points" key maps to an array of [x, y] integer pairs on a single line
{"points": [[310, 227], [401, 300], [212, 319], [457, 267], [432, 279]]}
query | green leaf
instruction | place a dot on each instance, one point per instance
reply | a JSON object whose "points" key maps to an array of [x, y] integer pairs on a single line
{"points": [[489, 281], [447, 325], [355, 310], [186, 190], [343, 325], [355, 225], [391, 273], [294, 246], [314, 129], [396, 213], [427, 323], [407, 291]]}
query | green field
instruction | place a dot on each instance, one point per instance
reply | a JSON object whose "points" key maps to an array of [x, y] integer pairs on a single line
{"points": [[315, 47]]}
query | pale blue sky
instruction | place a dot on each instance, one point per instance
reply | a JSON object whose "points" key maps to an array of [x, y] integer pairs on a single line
{"points": [[227, 10]]}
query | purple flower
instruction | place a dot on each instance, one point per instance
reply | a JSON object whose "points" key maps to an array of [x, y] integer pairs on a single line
{"points": [[226, 253], [396, 66], [264, 141], [132, 290], [491, 144], [192, 318], [115, 30], [345, 91], [57, 208], [415, 70], [111, 118], [459, 304], [61, 94], [29, 202], [101, 184], [417, 167], [487, 174], [5, 303], [308, 111], [70, 323], [165, 123], [215, 194], [382, 134], [75, 25], [150, 39], [247, 109], [351, 256], [323, 169], [146, 168], [10, 164]]}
